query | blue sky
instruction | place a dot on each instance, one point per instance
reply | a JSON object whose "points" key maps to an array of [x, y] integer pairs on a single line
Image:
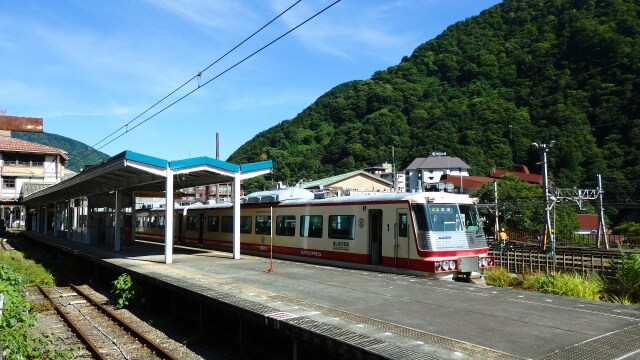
{"points": [[90, 67]]}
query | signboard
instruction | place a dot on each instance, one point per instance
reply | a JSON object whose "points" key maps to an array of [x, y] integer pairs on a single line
{"points": [[22, 124]]}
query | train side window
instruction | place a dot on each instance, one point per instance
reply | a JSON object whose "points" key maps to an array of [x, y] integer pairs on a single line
{"points": [[263, 224], [192, 222], [139, 221], [227, 224], [245, 224], [212, 223], [161, 222], [311, 226], [286, 225], [342, 227], [402, 225]]}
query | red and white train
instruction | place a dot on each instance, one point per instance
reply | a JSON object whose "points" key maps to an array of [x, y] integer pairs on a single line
{"points": [[428, 233]]}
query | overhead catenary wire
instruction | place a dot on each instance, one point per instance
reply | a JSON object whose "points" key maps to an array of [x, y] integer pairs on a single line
{"points": [[197, 76], [221, 73]]}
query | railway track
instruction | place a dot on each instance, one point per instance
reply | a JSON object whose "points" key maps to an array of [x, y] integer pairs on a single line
{"points": [[105, 334]]}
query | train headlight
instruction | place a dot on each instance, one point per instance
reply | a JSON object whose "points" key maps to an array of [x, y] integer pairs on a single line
{"points": [[445, 265], [452, 264], [484, 262]]}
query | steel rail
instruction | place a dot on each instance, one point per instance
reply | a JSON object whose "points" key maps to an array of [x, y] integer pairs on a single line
{"points": [[91, 346], [152, 345]]}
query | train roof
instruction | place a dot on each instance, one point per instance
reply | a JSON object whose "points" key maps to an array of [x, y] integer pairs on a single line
{"points": [[420, 198], [297, 196]]}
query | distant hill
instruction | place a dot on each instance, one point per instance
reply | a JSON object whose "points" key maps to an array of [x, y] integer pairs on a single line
{"points": [[79, 153], [522, 71]]}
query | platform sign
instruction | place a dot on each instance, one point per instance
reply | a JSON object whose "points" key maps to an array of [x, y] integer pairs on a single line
{"points": [[154, 194]]}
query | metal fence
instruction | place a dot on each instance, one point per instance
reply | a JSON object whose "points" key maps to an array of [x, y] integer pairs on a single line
{"points": [[520, 261], [630, 241]]}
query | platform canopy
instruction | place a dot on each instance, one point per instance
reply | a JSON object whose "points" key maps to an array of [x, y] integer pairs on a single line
{"points": [[131, 171]]}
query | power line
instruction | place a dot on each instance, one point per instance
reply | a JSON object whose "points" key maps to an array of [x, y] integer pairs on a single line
{"points": [[221, 73], [199, 74]]}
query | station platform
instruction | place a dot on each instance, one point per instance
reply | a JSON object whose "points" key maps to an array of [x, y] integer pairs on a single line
{"points": [[388, 315]]}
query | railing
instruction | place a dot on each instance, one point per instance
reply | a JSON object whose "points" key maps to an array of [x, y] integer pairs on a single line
{"points": [[578, 240], [520, 261]]}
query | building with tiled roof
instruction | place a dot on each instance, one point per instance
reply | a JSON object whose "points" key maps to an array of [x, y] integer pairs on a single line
{"points": [[521, 171], [425, 173], [23, 162], [359, 180]]}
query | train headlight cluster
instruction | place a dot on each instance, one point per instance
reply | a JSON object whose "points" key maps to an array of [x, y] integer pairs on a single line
{"points": [[446, 265], [486, 262]]}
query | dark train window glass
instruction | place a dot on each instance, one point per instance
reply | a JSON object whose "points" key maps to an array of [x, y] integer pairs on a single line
{"points": [[402, 225], [286, 225], [444, 217], [263, 224], [311, 226], [469, 216], [227, 224], [245, 224], [212, 223], [342, 227], [192, 222]]}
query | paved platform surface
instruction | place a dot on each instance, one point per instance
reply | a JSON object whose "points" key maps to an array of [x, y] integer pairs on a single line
{"points": [[392, 315]]}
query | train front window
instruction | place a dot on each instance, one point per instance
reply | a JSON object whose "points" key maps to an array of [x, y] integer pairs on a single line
{"points": [[440, 217], [444, 217], [469, 215]]}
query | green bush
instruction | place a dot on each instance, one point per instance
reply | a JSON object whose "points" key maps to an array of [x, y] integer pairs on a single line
{"points": [[498, 276], [122, 288], [18, 318], [566, 284], [626, 282], [31, 272]]}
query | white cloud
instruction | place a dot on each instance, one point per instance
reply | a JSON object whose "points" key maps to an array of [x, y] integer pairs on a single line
{"points": [[228, 16]]}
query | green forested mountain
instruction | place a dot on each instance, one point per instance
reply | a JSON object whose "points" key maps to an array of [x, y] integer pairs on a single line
{"points": [[520, 72], [79, 153]]}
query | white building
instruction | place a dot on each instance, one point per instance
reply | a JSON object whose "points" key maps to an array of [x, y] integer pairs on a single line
{"points": [[425, 173]]}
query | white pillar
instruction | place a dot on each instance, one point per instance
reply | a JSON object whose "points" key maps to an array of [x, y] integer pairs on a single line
{"points": [[134, 218], [168, 224], [236, 216], [56, 218], [46, 219], [118, 223]]}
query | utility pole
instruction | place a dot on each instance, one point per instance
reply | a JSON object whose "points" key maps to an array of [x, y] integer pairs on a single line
{"points": [[496, 228], [393, 168], [602, 230], [544, 148]]}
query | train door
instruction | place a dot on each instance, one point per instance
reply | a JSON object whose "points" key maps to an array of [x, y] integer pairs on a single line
{"points": [[375, 237], [401, 235], [201, 228], [180, 235]]}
